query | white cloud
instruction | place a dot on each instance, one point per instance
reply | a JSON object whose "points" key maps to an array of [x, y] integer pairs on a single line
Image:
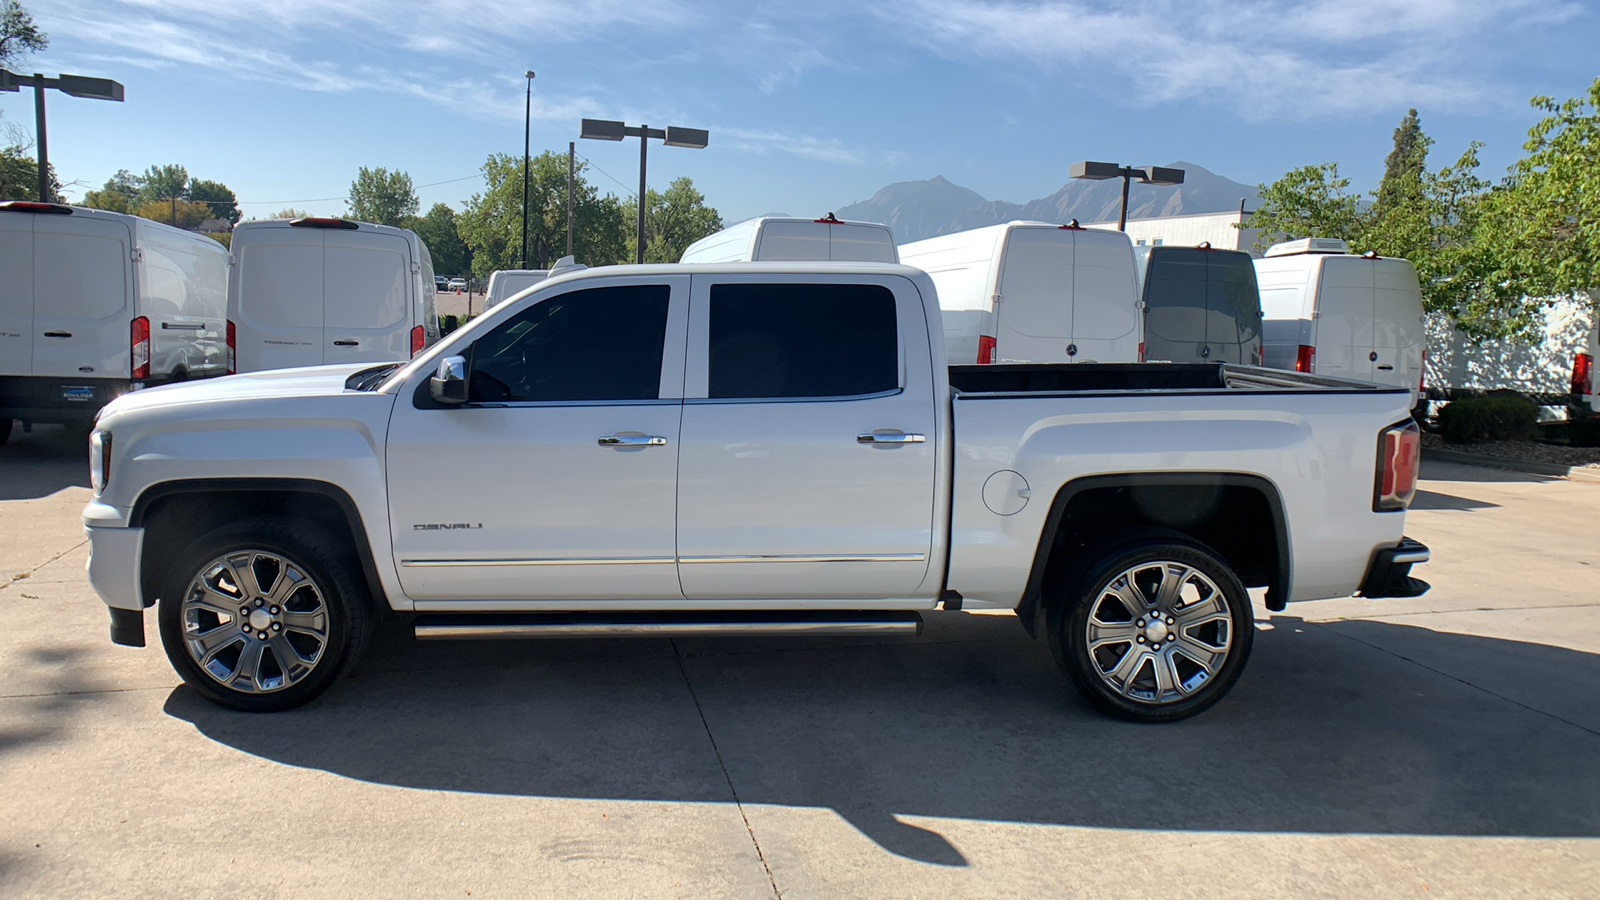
{"points": [[827, 150]]}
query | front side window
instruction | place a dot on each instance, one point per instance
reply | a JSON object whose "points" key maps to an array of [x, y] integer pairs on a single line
{"points": [[598, 344], [802, 340]]}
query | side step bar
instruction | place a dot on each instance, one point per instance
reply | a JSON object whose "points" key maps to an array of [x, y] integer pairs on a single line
{"points": [[498, 626]]}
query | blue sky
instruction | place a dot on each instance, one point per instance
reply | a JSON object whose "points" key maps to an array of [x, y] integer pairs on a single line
{"points": [[810, 105]]}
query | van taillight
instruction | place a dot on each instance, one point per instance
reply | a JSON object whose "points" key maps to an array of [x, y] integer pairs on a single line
{"points": [[985, 349], [139, 344], [1422, 376], [416, 340], [1306, 359], [1399, 457], [233, 350], [1582, 374]]}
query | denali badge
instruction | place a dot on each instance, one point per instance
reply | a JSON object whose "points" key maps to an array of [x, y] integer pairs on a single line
{"points": [[447, 526]]}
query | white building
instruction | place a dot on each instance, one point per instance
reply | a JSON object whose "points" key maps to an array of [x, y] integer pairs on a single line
{"points": [[1223, 230]]}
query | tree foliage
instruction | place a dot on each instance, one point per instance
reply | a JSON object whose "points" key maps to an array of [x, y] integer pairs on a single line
{"points": [[176, 212], [19, 176], [162, 183], [437, 229], [491, 223], [289, 212], [382, 197], [163, 190], [19, 36], [218, 198], [674, 219]]}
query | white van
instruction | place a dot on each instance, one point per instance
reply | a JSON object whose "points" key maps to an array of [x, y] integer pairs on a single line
{"points": [[775, 238], [1033, 292], [506, 283], [94, 304], [1200, 305], [1334, 313], [315, 291]]}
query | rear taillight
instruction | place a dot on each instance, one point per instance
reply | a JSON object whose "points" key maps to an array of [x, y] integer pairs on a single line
{"points": [[985, 349], [1141, 351], [233, 350], [416, 340], [1582, 374], [1399, 457], [1422, 376], [1306, 359], [139, 344]]}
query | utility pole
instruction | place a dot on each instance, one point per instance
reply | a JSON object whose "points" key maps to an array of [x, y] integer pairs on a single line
{"points": [[605, 130], [44, 144], [72, 86], [572, 151], [527, 127]]}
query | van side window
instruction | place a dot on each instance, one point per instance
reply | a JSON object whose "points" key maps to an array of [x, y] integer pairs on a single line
{"points": [[598, 344], [802, 340]]}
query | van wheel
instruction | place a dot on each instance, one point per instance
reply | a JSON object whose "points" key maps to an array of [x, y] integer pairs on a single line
{"points": [[1154, 631], [263, 614], [5, 430]]}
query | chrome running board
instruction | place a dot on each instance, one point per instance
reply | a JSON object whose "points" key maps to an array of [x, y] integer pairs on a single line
{"points": [[489, 626]]}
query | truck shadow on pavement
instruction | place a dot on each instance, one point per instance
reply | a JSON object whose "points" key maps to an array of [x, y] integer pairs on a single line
{"points": [[39, 464], [1333, 729]]}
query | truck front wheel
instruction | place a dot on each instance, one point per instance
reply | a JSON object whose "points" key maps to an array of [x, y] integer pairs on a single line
{"points": [[1153, 632], [263, 614]]}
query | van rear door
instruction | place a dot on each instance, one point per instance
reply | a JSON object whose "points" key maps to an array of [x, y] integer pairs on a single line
{"points": [[277, 304], [790, 241], [366, 283], [82, 297], [1233, 308], [848, 242], [1344, 314], [16, 294], [1397, 313], [1033, 315]]}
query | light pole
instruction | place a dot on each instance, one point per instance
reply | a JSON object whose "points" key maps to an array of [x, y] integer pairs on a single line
{"points": [[1100, 171], [71, 85], [604, 130], [527, 127]]}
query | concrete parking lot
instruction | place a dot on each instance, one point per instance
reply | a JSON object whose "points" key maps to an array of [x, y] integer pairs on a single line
{"points": [[1447, 746]]}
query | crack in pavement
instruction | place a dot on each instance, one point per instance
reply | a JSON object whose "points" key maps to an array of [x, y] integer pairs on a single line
{"points": [[29, 574], [725, 774]]}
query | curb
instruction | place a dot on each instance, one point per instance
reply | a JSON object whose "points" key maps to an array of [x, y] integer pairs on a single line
{"points": [[1554, 470]]}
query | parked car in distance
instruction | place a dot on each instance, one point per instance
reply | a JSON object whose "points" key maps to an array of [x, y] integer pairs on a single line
{"points": [[440, 282], [504, 283], [456, 284], [1034, 292], [771, 238], [741, 448], [1329, 311], [95, 304], [1200, 304], [314, 291]]}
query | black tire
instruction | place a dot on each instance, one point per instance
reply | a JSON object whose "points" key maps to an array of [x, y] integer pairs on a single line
{"points": [[318, 625], [1220, 632], [5, 430]]}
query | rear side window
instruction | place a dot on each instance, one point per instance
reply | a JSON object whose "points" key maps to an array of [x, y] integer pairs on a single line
{"points": [[599, 344], [79, 276], [802, 340], [366, 286]]}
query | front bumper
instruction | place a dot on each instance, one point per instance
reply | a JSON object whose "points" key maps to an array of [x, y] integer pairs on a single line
{"points": [[114, 575], [1389, 573]]}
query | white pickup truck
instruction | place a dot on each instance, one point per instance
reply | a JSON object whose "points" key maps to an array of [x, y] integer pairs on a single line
{"points": [[735, 449]]}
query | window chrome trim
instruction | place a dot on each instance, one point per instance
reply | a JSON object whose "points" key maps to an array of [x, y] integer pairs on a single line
{"points": [[561, 561], [701, 401], [569, 404], [809, 558]]}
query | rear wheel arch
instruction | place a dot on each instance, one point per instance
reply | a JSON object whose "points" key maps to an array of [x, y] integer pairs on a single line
{"points": [[1238, 517]]}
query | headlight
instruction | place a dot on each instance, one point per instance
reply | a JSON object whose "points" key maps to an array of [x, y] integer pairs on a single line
{"points": [[99, 459]]}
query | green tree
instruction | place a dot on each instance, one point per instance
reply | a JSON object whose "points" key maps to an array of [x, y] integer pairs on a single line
{"points": [[382, 197], [289, 213], [176, 212], [19, 175], [117, 195], [673, 219], [1311, 201], [162, 183], [216, 195], [437, 229], [19, 36], [491, 223]]}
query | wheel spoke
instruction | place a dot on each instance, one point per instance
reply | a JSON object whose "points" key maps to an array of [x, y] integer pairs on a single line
{"points": [[1210, 609], [1208, 658], [214, 601], [1166, 676], [1170, 594], [289, 580], [1129, 595], [1122, 674], [1110, 634], [209, 643], [294, 665]]}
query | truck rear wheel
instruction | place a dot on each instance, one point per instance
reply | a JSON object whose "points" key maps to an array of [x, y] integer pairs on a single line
{"points": [[1154, 631], [263, 614]]}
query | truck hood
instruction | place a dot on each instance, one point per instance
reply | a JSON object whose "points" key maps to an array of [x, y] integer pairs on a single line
{"points": [[311, 381]]}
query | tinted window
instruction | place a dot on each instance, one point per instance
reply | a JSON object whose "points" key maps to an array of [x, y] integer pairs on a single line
{"points": [[802, 340], [599, 344]]}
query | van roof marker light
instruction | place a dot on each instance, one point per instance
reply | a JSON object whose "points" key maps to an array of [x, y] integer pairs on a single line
{"points": [[829, 219], [34, 206], [1072, 226]]}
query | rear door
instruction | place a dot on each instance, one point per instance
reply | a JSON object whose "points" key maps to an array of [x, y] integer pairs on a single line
{"points": [[1397, 323], [1033, 315], [366, 286], [1344, 316], [1233, 309], [1175, 305], [1105, 298], [860, 243], [807, 467], [82, 297], [277, 288], [792, 241], [16, 293]]}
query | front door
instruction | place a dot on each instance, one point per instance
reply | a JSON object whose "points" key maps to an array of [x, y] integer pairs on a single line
{"points": [[555, 481], [808, 455]]}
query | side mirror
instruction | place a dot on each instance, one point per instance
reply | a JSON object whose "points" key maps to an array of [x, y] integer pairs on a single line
{"points": [[449, 383]]}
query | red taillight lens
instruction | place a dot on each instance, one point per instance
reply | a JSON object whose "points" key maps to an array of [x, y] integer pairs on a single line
{"points": [[1399, 459], [1141, 351], [985, 349], [1306, 359], [1582, 374], [139, 344], [233, 350], [416, 340], [1422, 376]]}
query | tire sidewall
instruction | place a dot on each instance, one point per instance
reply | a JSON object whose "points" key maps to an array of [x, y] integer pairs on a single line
{"points": [[1068, 622], [307, 547]]}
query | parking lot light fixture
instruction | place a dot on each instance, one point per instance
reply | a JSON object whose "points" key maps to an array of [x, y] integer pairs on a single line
{"points": [[672, 136], [71, 85], [1101, 171]]}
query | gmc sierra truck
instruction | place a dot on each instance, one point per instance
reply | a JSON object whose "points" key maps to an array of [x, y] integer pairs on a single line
{"points": [[749, 448]]}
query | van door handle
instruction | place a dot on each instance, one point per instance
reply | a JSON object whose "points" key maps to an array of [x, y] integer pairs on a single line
{"points": [[633, 440], [58, 334], [345, 343], [1387, 368], [897, 437]]}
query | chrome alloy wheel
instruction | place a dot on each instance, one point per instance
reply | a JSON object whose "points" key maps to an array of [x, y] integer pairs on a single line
{"points": [[1159, 631], [254, 621]]}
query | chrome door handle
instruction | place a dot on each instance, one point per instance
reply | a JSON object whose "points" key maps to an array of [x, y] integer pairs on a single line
{"points": [[633, 440], [346, 343], [898, 437]]}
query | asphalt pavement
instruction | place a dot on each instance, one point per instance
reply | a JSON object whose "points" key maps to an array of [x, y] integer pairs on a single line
{"points": [[1447, 746]]}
